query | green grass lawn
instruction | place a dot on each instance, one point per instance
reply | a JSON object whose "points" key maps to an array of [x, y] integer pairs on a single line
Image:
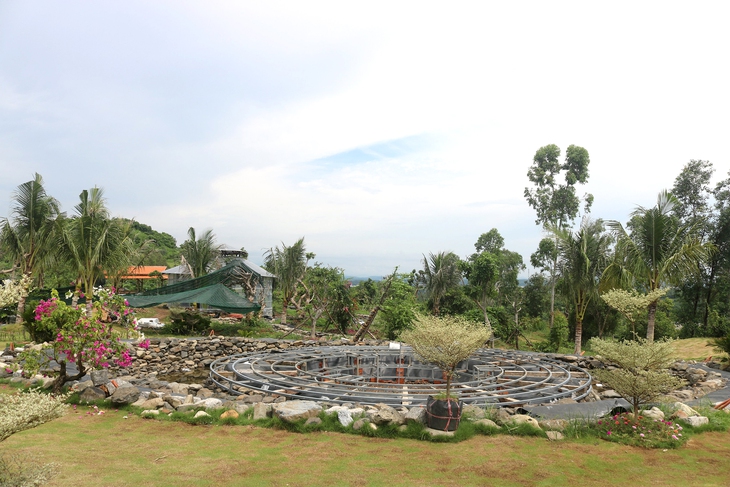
{"points": [[107, 450]]}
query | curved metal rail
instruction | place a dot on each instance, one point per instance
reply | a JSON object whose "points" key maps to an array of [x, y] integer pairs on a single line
{"points": [[372, 375]]}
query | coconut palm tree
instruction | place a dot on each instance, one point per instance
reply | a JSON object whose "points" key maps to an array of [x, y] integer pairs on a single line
{"points": [[289, 264], [656, 252], [94, 243], [582, 258], [28, 238], [442, 273], [199, 253]]}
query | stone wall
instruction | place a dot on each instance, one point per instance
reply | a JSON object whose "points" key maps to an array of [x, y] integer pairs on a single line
{"points": [[190, 355]]}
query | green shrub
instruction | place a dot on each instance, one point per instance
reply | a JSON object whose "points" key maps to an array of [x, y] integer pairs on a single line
{"points": [[187, 322]]}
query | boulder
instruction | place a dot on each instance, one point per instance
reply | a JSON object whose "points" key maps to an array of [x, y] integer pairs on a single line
{"points": [[384, 414], [685, 409], [554, 424], [524, 418], [357, 425], [313, 422], [487, 422], [292, 411], [126, 394], [154, 403], [201, 414], [99, 377], [653, 413], [416, 414], [344, 417], [696, 421], [503, 416], [555, 435], [231, 413], [92, 394], [261, 411], [473, 412]]}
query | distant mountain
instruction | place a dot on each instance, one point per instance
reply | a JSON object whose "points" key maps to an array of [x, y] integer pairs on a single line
{"points": [[357, 280]]}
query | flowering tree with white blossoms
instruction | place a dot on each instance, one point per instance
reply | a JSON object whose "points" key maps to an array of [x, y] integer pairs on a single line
{"points": [[11, 292]]}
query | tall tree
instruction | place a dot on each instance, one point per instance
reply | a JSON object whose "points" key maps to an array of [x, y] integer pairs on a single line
{"points": [[441, 273], [28, 235], [92, 242], [199, 252], [582, 259], [491, 274], [555, 201], [694, 208], [289, 264], [657, 252]]}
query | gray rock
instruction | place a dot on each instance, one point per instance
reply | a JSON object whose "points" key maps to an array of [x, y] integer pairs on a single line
{"points": [[344, 417], [99, 377], [312, 422], [127, 394], [554, 424], [154, 403], [261, 411], [473, 413], [654, 413], [610, 394], [357, 425], [150, 412], [416, 414], [696, 421], [92, 394], [384, 414], [524, 418], [201, 414], [503, 416], [487, 422], [292, 411], [555, 435], [80, 386], [685, 409]]}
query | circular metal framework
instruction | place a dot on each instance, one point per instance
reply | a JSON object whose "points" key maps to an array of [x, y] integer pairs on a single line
{"points": [[372, 375]]}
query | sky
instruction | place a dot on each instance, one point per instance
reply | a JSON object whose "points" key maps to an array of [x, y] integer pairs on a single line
{"points": [[378, 131]]}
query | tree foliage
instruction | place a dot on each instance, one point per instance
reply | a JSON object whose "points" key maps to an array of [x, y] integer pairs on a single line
{"points": [[199, 252], [554, 201], [657, 251], [642, 373], [441, 273], [445, 341], [289, 264], [26, 410], [93, 243], [582, 259]]}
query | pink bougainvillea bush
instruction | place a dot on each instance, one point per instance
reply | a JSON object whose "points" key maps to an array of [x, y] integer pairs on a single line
{"points": [[83, 337]]}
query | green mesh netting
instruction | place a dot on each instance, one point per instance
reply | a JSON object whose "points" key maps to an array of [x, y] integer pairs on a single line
{"points": [[209, 289], [217, 296]]}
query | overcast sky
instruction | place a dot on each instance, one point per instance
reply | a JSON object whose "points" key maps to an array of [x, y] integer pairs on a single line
{"points": [[379, 131]]}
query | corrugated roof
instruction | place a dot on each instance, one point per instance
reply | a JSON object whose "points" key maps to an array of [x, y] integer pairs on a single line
{"points": [[144, 271]]}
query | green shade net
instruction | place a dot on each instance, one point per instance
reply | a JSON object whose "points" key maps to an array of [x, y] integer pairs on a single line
{"points": [[216, 295]]}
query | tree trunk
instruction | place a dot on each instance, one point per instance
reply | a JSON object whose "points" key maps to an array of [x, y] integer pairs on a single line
{"points": [[578, 334], [553, 272], [708, 298], [650, 324], [285, 307], [21, 310]]}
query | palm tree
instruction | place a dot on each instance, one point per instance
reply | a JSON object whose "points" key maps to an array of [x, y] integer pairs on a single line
{"points": [[441, 272], [289, 264], [29, 238], [93, 243], [582, 258], [657, 252], [199, 253]]}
